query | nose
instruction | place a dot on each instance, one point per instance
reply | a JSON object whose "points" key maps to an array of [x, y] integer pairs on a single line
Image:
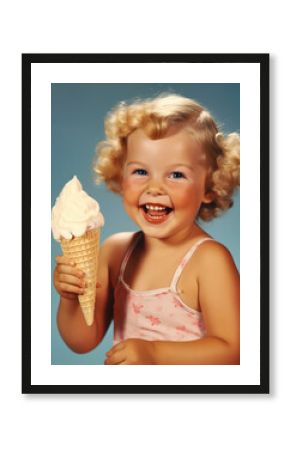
{"points": [[155, 188]]}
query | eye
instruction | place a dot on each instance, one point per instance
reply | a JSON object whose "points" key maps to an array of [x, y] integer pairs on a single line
{"points": [[140, 172], [176, 175]]}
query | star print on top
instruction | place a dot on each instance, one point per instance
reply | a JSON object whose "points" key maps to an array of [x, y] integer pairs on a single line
{"points": [[158, 314]]}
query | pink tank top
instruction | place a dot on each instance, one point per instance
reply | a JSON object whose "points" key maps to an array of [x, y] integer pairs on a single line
{"points": [[155, 315]]}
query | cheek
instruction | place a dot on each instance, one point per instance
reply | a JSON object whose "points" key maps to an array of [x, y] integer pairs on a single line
{"points": [[133, 184], [131, 190], [183, 196]]}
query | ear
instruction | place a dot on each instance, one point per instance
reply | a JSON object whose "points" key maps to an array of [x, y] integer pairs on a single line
{"points": [[208, 197]]}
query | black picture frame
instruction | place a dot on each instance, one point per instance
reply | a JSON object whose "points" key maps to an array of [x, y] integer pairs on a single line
{"points": [[262, 61]]}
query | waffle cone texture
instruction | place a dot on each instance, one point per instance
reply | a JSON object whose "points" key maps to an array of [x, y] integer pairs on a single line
{"points": [[84, 251]]}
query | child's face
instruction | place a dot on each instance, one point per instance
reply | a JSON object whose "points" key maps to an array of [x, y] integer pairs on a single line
{"points": [[164, 182]]}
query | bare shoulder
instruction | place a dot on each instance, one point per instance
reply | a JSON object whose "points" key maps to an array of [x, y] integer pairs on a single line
{"points": [[118, 242], [113, 251], [219, 294], [214, 257]]}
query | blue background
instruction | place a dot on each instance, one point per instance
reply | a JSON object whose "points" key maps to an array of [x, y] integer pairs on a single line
{"points": [[77, 125]]}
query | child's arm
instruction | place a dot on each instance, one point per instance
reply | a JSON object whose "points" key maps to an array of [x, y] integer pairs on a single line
{"points": [[68, 282], [219, 296], [218, 281]]}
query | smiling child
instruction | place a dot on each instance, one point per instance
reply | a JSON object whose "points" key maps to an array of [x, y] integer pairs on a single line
{"points": [[171, 289]]}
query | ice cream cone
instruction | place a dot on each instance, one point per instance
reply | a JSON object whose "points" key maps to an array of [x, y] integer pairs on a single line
{"points": [[84, 252]]}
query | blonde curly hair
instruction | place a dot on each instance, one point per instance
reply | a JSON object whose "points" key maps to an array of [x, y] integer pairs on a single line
{"points": [[156, 116]]}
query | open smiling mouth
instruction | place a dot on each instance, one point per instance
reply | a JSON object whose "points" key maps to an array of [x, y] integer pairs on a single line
{"points": [[155, 213]]}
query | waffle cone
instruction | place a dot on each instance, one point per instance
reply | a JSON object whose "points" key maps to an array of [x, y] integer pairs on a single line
{"points": [[84, 251]]}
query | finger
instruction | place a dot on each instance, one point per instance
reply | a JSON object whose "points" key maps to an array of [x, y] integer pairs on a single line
{"points": [[69, 296], [71, 279], [65, 287], [119, 364], [116, 354], [67, 269], [115, 348], [116, 358], [60, 259]]}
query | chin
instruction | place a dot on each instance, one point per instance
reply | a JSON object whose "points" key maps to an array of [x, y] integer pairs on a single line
{"points": [[157, 231], [154, 233]]}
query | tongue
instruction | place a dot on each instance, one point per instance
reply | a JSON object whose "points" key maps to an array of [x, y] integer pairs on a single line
{"points": [[158, 213]]}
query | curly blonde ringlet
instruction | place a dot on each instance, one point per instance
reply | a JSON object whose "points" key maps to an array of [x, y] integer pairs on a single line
{"points": [[155, 116]]}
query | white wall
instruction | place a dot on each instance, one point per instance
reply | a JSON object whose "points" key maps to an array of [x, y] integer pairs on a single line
{"points": [[207, 421]]}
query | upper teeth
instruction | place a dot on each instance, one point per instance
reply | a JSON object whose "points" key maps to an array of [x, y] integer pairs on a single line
{"points": [[155, 208]]}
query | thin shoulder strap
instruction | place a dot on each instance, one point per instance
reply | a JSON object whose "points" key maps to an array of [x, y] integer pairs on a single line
{"points": [[128, 253], [185, 260]]}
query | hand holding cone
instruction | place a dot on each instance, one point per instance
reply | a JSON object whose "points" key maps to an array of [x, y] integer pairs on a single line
{"points": [[84, 251]]}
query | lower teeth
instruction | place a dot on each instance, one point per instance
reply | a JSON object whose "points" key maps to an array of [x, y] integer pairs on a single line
{"points": [[157, 217]]}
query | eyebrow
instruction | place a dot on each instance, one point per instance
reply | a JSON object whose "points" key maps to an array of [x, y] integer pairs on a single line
{"points": [[139, 163], [188, 166]]}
